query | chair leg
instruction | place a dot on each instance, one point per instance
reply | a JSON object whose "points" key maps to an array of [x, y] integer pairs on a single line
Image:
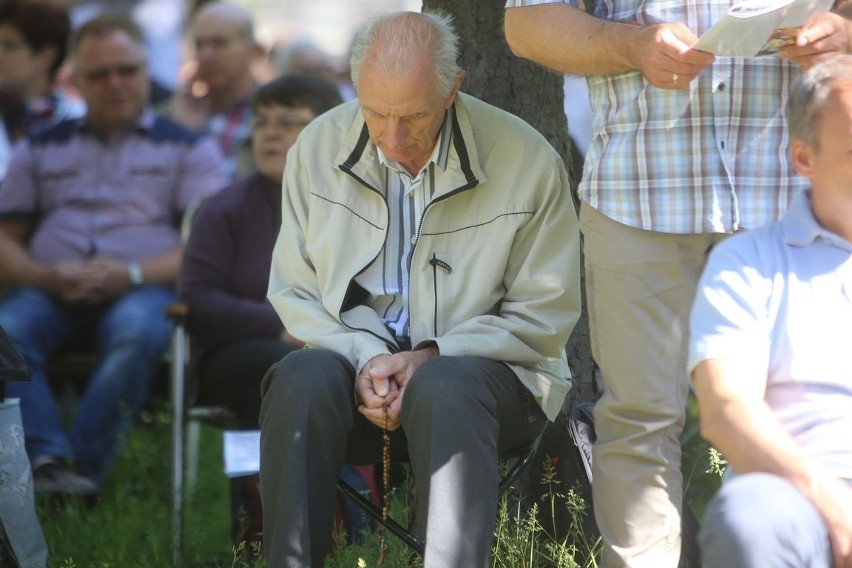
{"points": [[522, 456], [193, 437], [177, 457], [398, 530]]}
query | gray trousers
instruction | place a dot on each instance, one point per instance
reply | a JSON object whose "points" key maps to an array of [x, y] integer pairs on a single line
{"points": [[458, 415], [759, 520]]}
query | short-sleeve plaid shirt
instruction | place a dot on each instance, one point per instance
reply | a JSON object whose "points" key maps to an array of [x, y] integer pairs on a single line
{"points": [[709, 159]]}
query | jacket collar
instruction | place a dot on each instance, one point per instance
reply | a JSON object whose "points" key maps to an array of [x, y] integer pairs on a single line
{"points": [[358, 156]]}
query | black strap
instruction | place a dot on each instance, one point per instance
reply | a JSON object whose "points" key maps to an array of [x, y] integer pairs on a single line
{"points": [[13, 366]]}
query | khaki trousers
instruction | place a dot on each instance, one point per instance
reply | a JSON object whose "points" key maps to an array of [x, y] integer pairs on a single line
{"points": [[640, 286]]}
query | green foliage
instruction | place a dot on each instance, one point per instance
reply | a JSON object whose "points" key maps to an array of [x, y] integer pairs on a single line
{"points": [[718, 463], [521, 540], [130, 526], [699, 480]]}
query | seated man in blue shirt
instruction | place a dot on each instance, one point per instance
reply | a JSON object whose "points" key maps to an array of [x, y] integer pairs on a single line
{"points": [[770, 337], [90, 245]]}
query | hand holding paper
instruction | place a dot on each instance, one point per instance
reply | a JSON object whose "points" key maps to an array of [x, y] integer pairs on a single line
{"points": [[665, 56], [760, 27], [827, 34]]}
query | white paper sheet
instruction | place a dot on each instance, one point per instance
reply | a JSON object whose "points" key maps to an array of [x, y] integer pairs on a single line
{"points": [[242, 452]]}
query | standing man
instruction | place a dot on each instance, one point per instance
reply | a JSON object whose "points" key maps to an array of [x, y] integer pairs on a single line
{"points": [[216, 101], [429, 259], [686, 150], [90, 246], [769, 354]]}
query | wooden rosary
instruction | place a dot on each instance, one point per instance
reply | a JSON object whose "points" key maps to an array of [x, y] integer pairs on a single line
{"points": [[383, 543]]}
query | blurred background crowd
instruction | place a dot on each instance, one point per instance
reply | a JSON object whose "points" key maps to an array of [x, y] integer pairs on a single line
{"points": [[292, 36]]}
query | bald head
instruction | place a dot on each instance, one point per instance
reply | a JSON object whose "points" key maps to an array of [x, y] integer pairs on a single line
{"points": [[397, 42], [222, 13], [225, 50]]}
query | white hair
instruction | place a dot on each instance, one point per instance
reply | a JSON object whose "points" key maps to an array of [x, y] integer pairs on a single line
{"points": [[394, 41]]}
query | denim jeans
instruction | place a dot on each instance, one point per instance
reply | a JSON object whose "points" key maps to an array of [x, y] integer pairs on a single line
{"points": [[758, 520], [130, 335]]}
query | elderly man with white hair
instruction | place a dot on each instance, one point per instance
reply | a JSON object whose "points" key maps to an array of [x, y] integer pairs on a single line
{"points": [[429, 260]]}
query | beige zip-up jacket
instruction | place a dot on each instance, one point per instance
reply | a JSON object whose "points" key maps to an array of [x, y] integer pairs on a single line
{"points": [[495, 269]]}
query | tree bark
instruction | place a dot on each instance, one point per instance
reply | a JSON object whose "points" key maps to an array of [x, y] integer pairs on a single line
{"points": [[535, 94]]}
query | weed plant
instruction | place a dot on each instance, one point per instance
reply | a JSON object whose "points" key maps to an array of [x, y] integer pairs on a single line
{"points": [[521, 539]]}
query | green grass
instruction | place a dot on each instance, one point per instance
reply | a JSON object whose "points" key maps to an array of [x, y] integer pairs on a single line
{"points": [[130, 526]]}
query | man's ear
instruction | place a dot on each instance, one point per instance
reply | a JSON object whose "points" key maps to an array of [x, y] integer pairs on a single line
{"points": [[802, 157], [456, 86]]}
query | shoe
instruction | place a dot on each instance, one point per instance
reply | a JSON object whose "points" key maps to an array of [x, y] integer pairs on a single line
{"points": [[54, 476]]}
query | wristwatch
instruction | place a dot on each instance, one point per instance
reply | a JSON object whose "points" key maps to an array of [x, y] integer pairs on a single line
{"points": [[134, 271]]}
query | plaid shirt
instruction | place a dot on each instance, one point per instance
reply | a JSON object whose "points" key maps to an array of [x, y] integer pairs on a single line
{"points": [[712, 158]]}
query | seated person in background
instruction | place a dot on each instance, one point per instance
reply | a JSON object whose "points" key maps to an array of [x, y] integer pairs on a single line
{"points": [[235, 333], [161, 23], [33, 40], [216, 100], [771, 332], [90, 245], [429, 258]]}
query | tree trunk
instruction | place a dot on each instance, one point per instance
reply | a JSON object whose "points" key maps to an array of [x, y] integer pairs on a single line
{"points": [[535, 94]]}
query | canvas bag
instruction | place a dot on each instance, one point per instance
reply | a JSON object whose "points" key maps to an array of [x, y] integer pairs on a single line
{"points": [[17, 508], [22, 542]]}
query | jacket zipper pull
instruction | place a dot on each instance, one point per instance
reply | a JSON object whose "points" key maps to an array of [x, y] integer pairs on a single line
{"points": [[435, 261]]}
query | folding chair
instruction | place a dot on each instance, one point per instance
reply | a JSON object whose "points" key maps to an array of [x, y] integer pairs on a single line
{"points": [[519, 458], [186, 424], [186, 421]]}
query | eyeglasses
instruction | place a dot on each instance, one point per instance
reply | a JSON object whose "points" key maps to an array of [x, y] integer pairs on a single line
{"points": [[126, 71], [283, 123]]}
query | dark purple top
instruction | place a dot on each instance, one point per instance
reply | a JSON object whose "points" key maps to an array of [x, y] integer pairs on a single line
{"points": [[225, 270]]}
